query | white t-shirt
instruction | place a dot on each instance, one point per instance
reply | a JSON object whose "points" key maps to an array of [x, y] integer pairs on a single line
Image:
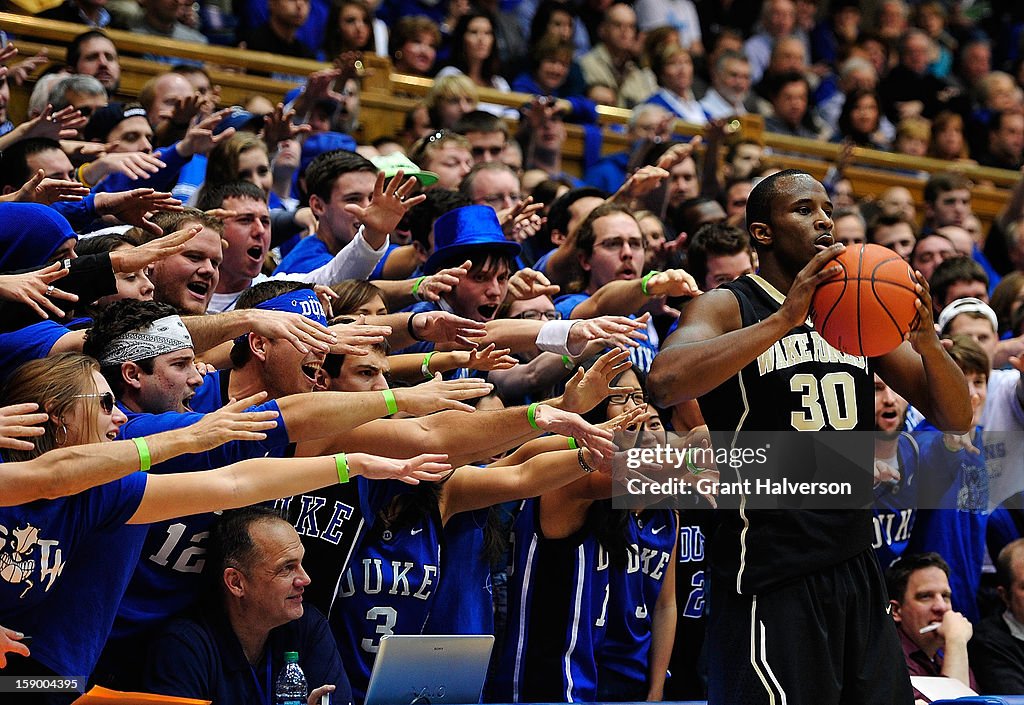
{"points": [[1003, 421], [680, 14]]}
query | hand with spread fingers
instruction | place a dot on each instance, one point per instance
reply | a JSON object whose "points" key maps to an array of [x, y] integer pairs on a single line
{"points": [[444, 327], [616, 331], [443, 281], [36, 289], [554, 420], [233, 423], [529, 284], [20, 421], [387, 206], [55, 125], [303, 333], [44, 190], [278, 127], [439, 394], [489, 358], [431, 467], [356, 338], [136, 206], [588, 388], [132, 259], [20, 72], [201, 138]]}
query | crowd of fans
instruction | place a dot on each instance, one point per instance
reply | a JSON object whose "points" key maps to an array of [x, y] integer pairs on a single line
{"points": [[436, 338]]}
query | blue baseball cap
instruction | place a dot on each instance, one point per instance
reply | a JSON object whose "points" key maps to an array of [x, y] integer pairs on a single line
{"points": [[466, 233], [240, 119], [321, 143]]}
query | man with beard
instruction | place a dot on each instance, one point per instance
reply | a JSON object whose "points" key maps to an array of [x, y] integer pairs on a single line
{"points": [[610, 280], [93, 54], [896, 462]]}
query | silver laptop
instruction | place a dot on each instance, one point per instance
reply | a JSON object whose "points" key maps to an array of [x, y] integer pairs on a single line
{"points": [[428, 670]]}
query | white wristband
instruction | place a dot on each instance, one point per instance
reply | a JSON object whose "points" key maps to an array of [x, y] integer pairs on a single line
{"points": [[554, 337]]}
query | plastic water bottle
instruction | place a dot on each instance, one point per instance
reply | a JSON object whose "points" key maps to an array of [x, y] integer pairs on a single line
{"points": [[290, 688]]}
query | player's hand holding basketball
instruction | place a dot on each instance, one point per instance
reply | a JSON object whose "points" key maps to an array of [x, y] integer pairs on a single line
{"points": [[922, 334], [818, 270]]}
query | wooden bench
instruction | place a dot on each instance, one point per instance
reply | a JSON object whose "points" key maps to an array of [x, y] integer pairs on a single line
{"points": [[385, 101]]}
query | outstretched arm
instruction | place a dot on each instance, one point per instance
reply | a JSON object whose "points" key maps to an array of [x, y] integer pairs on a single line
{"points": [[263, 479], [67, 471], [474, 487]]}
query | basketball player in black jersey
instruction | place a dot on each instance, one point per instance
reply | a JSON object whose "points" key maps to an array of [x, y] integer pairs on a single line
{"points": [[797, 607]]}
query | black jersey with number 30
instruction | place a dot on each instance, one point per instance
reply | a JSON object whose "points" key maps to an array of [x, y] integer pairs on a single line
{"points": [[800, 383]]}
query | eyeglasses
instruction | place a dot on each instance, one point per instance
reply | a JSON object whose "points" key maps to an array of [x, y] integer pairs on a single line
{"points": [[534, 315], [106, 400], [481, 151], [637, 397], [614, 244], [500, 199]]}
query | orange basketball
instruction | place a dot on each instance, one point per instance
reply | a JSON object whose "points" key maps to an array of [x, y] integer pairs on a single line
{"points": [[869, 306]]}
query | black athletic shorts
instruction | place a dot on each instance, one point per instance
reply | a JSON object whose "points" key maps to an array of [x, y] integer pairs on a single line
{"points": [[825, 639]]}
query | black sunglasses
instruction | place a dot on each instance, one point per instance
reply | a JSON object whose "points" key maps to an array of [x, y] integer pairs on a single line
{"points": [[106, 400]]}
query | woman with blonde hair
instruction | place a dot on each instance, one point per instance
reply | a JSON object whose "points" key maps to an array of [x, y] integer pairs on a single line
{"points": [[49, 548], [243, 157], [450, 98], [673, 68]]}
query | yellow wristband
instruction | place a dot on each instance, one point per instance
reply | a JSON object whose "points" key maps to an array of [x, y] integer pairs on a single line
{"points": [[389, 399], [80, 174], [145, 461], [341, 464], [572, 443]]}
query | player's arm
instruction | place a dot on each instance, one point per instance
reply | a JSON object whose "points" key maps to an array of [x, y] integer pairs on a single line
{"points": [[710, 345], [663, 630], [923, 373]]}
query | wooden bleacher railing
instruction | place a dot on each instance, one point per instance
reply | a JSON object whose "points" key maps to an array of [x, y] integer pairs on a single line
{"points": [[387, 96]]}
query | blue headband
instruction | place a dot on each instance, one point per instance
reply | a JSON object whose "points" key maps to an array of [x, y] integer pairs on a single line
{"points": [[301, 301]]}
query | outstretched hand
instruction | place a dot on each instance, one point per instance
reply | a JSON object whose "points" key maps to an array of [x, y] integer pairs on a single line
{"points": [[588, 388], [35, 290], [423, 468], [388, 204], [19, 421], [132, 259], [233, 423], [439, 394]]}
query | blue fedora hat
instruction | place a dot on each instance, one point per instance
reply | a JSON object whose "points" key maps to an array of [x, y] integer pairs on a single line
{"points": [[466, 233]]}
